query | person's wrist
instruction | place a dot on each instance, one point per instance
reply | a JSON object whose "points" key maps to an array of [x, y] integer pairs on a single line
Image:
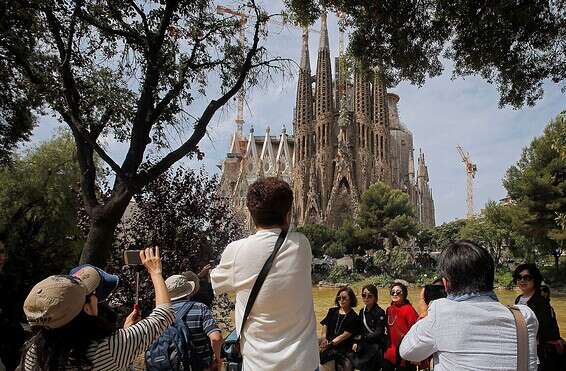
{"points": [[156, 274]]}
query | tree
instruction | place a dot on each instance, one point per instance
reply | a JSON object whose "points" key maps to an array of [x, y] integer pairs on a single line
{"points": [[335, 250], [538, 183], [182, 213], [38, 212], [517, 45], [318, 236], [127, 70], [482, 231], [447, 232], [385, 214]]}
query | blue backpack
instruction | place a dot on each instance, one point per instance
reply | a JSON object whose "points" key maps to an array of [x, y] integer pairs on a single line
{"points": [[173, 349]]}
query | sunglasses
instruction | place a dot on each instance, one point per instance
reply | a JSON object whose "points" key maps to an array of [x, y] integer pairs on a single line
{"points": [[342, 298], [367, 295], [523, 277], [396, 292]]}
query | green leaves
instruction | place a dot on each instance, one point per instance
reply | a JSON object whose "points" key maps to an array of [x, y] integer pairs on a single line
{"points": [[386, 213], [38, 212], [516, 45]]}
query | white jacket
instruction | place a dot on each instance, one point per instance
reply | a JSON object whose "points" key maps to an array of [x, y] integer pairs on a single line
{"points": [[470, 335], [280, 333]]}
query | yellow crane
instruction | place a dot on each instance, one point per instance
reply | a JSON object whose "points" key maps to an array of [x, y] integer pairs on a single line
{"points": [[471, 170]]}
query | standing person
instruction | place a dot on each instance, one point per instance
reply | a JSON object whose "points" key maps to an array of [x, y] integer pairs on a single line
{"points": [[204, 335], [62, 311], [368, 351], [401, 316], [280, 333], [470, 329], [529, 279], [11, 331], [339, 327], [204, 294]]}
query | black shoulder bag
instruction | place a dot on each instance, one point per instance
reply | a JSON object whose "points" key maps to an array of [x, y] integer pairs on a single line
{"points": [[231, 348]]}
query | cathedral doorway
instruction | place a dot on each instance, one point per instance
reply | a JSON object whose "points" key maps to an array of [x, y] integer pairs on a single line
{"points": [[341, 205]]}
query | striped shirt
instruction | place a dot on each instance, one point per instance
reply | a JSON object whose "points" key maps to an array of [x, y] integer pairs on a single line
{"points": [[201, 324], [119, 350]]}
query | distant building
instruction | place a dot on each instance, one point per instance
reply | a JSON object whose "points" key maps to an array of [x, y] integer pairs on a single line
{"points": [[346, 136]]}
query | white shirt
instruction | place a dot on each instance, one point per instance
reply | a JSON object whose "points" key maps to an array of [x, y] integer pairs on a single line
{"points": [[280, 333], [470, 335]]}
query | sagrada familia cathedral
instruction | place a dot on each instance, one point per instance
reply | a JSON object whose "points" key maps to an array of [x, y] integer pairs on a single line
{"points": [[346, 136]]}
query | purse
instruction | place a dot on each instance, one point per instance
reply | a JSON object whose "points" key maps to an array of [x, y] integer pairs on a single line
{"points": [[231, 348]]}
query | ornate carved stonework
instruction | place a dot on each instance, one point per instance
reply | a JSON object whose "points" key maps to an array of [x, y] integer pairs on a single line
{"points": [[332, 157]]}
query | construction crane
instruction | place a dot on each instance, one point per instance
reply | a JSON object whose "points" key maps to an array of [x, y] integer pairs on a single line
{"points": [[242, 39], [471, 170]]}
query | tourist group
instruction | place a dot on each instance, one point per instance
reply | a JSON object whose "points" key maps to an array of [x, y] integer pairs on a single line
{"points": [[459, 325]]}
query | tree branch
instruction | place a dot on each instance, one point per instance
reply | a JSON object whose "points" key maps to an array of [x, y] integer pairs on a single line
{"points": [[72, 118], [131, 37], [191, 144], [142, 16]]}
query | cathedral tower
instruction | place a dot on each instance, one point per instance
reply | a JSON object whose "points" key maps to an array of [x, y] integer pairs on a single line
{"points": [[363, 129], [303, 132], [380, 138], [325, 133]]}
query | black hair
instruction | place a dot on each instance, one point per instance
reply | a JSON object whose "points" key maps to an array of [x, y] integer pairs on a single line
{"points": [[351, 294], [403, 288], [438, 281], [467, 266], [269, 201], [372, 289], [60, 348], [533, 271]]}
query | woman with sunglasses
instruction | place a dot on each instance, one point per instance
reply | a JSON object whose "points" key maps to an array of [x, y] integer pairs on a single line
{"points": [[401, 316], [63, 313], [550, 347], [339, 327], [372, 341]]}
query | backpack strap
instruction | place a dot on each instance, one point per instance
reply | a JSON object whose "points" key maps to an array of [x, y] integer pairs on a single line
{"points": [[260, 279], [184, 310], [522, 338]]}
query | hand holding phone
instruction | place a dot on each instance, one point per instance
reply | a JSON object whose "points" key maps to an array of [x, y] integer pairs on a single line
{"points": [[132, 257]]}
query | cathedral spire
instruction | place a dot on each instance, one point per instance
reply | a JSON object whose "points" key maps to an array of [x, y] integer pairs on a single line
{"points": [[411, 167], [323, 95], [361, 91], [379, 100], [304, 103]]}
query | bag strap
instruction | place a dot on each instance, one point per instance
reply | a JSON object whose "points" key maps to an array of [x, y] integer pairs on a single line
{"points": [[261, 278], [522, 338], [183, 310]]}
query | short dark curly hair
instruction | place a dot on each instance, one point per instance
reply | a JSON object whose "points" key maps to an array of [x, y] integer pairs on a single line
{"points": [[351, 295], [269, 201]]}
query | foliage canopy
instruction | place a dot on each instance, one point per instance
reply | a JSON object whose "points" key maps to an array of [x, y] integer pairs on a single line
{"points": [[516, 45]]}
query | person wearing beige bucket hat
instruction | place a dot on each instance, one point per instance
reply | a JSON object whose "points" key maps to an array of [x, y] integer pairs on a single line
{"points": [[197, 319], [63, 313]]}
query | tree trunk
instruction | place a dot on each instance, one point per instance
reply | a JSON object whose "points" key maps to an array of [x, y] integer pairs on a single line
{"points": [[98, 245]]}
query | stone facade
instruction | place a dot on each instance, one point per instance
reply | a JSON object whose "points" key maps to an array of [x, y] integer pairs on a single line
{"points": [[336, 151]]}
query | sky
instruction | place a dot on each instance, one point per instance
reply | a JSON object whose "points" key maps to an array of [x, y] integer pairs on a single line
{"points": [[441, 114]]}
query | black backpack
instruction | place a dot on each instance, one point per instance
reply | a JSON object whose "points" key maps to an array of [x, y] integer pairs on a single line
{"points": [[173, 349]]}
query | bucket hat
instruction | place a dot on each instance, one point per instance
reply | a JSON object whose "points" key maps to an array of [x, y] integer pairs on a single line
{"points": [[181, 285]]}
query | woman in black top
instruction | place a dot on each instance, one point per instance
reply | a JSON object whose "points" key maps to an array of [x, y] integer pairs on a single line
{"points": [[339, 327], [550, 352], [369, 346]]}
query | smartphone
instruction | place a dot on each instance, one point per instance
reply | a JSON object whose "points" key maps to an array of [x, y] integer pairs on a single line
{"points": [[132, 257], [433, 292]]}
